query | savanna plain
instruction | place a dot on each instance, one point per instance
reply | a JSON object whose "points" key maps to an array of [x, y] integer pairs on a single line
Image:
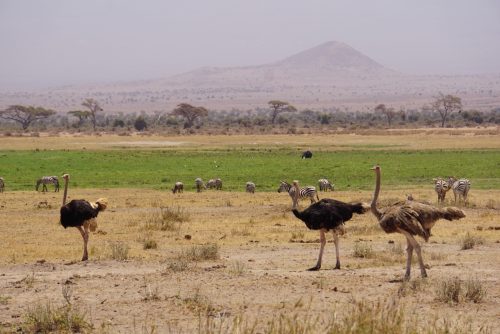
{"points": [[233, 262]]}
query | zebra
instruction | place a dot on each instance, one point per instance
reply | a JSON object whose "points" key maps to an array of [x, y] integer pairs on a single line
{"points": [[461, 189], [324, 185], [178, 187], [305, 192], [199, 184], [250, 187], [47, 180], [441, 187], [214, 183], [2, 184]]}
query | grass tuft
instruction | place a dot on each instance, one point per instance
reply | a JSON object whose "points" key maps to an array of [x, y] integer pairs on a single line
{"points": [[469, 241], [201, 253], [119, 251], [166, 219], [363, 250], [45, 318]]}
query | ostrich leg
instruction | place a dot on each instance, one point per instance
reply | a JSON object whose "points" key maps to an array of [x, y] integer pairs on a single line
{"points": [[337, 253], [85, 236], [322, 239], [409, 255]]}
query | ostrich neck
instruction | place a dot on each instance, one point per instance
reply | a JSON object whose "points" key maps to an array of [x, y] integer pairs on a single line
{"points": [[65, 191], [374, 209], [295, 200]]}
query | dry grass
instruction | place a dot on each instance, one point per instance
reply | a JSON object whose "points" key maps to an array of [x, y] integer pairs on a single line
{"points": [[469, 241], [46, 318]]}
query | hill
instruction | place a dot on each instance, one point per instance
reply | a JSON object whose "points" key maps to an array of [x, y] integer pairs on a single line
{"points": [[331, 75]]}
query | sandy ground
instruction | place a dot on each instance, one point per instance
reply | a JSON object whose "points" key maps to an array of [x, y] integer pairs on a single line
{"points": [[259, 274]]}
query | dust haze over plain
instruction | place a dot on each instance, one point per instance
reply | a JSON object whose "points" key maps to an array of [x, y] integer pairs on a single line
{"points": [[58, 42]]}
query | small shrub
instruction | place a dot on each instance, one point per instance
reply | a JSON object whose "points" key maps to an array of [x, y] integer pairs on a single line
{"points": [[474, 290], [166, 219], [238, 268], [410, 287], [469, 241], [202, 253], [148, 242], [448, 290], [297, 236], [363, 250], [48, 319], [178, 265], [119, 251]]}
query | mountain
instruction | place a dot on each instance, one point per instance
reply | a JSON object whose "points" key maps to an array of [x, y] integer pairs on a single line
{"points": [[330, 75], [328, 62]]}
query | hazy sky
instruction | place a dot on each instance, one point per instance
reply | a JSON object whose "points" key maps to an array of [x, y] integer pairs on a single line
{"points": [[58, 42]]}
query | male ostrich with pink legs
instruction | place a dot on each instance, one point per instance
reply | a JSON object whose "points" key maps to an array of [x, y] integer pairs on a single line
{"points": [[81, 214], [410, 219], [325, 215]]}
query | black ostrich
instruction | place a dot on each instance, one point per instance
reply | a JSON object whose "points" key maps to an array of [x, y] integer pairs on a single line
{"points": [[307, 155], [410, 218], [81, 214], [324, 215]]}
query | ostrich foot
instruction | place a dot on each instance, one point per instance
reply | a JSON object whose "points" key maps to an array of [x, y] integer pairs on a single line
{"points": [[315, 268], [85, 258], [337, 266], [407, 277]]}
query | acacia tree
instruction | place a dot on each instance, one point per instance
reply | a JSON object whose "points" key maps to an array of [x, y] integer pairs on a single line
{"points": [[25, 115], [446, 105], [190, 113], [82, 115], [389, 113], [94, 108], [278, 107]]}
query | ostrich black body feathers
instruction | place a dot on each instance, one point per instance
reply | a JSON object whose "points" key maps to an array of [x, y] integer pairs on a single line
{"points": [[76, 212], [328, 213]]}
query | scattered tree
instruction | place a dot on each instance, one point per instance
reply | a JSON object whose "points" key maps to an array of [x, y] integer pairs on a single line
{"points": [[25, 115], [190, 113], [94, 108], [140, 124], [445, 105], [82, 115], [278, 107], [389, 113]]}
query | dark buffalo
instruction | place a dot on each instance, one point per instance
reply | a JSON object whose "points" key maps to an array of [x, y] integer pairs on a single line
{"points": [[307, 155]]}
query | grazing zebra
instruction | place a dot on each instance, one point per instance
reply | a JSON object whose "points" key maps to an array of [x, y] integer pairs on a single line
{"points": [[441, 187], [250, 187], [214, 183], [47, 180], [324, 185], [2, 184], [178, 187], [461, 189], [199, 184], [305, 192]]}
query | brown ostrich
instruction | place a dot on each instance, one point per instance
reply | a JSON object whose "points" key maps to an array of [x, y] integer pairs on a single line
{"points": [[324, 215], [81, 214], [411, 218]]}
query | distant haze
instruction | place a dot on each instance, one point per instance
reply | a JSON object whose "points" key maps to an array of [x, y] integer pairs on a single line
{"points": [[60, 42]]}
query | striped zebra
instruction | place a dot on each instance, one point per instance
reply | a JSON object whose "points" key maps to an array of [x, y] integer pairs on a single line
{"points": [[2, 184], [461, 189], [47, 180], [324, 185], [305, 192], [441, 187], [250, 187], [214, 183], [198, 182], [178, 187]]}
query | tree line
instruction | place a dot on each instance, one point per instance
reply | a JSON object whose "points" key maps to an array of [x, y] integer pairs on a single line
{"points": [[444, 111]]}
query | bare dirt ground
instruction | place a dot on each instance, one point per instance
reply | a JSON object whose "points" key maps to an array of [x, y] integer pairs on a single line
{"points": [[258, 271]]}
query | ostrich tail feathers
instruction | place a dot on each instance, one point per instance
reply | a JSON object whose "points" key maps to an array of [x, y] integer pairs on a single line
{"points": [[102, 203], [296, 213], [365, 207], [453, 213]]}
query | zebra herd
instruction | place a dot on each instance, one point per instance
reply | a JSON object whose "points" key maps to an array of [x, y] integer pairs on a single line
{"points": [[460, 188]]}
